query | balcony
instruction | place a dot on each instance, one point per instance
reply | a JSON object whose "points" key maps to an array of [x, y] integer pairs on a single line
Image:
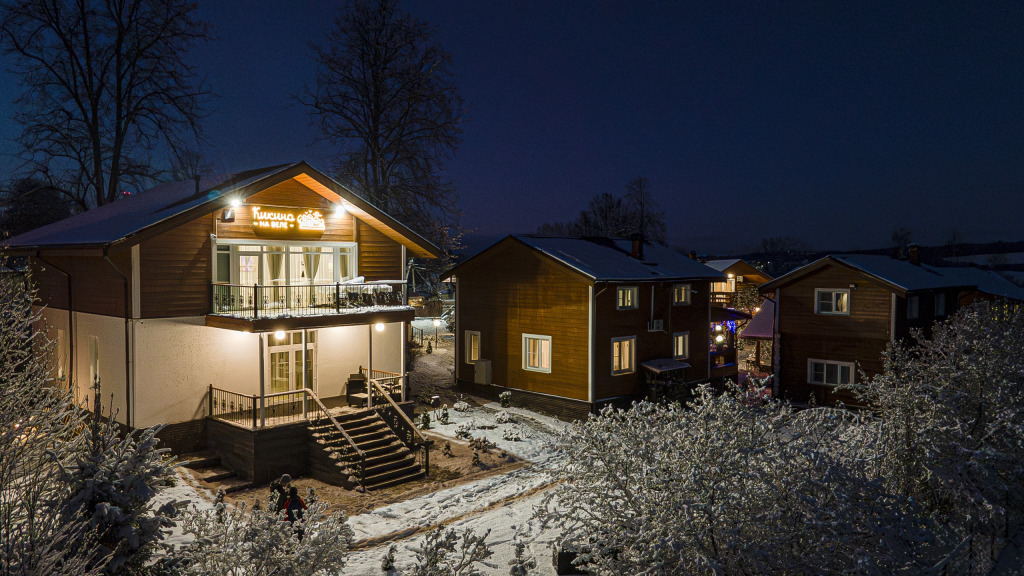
{"points": [[249, 308]]}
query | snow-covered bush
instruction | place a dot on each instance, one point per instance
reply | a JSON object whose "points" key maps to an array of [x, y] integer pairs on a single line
{"points": [[446, 553], [461, 406], [444, 418], [424, 421], [512, 434], [505, 399], [720, 487], [462, 430], [520, 564], [503, 417], [258, 542]]}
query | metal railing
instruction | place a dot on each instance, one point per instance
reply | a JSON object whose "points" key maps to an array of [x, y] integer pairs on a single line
{"points": [[239, 409], [381, 400], [268, 301], [393, 382]]}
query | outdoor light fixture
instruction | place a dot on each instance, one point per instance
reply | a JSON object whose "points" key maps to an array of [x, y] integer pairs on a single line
{"points": [[436, 322], [730, 274], [718, 327], [235, 202], [719, 338], [379, 326], [227, 215], [339, 209], [279, 335]]}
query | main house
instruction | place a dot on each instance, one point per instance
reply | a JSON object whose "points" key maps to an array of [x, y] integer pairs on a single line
{"points": [[229, 308], [572, 324], [834, 317]]}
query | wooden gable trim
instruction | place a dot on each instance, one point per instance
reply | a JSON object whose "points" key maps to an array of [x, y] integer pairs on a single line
{"points": [[827, 261]]}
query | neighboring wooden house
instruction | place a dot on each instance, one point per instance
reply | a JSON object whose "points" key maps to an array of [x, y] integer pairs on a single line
{"points": [[835, 316], [741, 278], [232, 308], [572, 324]]}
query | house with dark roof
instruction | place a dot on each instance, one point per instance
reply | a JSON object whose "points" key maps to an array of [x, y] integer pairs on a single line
{"points": [[236, 309], [834, 317], [740, 278], [572, 324]]}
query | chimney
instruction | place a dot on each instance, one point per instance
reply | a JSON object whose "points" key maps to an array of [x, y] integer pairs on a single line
{"points": [[693, 254], [913, 254], [638, 247]]}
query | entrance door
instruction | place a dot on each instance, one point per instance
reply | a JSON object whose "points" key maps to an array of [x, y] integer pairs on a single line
{"points": [[292, 361]]}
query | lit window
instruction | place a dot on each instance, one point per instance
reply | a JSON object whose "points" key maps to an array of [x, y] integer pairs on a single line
{"points": [[623, 355], [940, 304], [681, 345], [828, 301], [913, 306], [627, 297], [472, 346], [681, 294], [828, 372], [536, 353]]}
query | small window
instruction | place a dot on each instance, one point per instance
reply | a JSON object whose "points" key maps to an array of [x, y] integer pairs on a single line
{"points": [[829, 372], [913, 307], [681, 345], [829, 301], [940, 304], [623, 355], [681, 294], [223, 264], [536, 353], [627, 297], [472, 346]]}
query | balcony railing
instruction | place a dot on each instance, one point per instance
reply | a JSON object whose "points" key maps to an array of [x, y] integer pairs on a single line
{"points": [[271, 301], [722, 299]]}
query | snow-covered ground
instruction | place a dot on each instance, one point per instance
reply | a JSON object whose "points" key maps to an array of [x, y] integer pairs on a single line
{"points": [[502, 504]]}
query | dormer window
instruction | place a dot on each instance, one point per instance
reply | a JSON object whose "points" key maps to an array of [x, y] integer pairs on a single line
{"points": [[832, 301]]}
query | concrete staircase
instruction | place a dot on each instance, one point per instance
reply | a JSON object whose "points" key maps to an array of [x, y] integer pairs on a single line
{"points": [[388, 461]]}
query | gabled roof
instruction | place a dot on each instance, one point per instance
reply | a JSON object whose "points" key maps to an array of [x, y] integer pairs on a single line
{"points": [[762, 326], [607, 259], [739, 267], [130, 220], [902, 277]]}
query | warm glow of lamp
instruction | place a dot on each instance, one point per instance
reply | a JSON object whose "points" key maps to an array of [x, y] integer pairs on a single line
{"points": [[339, 209], [379, 326], [437, 322], [730, 274], [236, 202], [279, 335], [718, 327], [719, 338]]}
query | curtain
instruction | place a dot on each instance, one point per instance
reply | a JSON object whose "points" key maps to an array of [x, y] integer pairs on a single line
{"points": [[311, 257]]}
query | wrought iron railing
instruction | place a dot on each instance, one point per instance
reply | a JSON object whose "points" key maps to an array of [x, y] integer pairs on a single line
{"points": [[269, 301], [239, 409], [382, 400]]}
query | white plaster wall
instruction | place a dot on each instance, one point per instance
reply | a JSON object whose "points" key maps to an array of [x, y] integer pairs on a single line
{"points": [[177, 359], [387, 348], [49, 322], [110, 334], [340, 352]]}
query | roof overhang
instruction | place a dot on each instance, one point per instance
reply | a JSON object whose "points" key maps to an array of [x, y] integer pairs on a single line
{"points": [[662, 365]]}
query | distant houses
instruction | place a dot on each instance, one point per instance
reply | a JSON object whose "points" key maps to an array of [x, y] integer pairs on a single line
{"points": [[573, 324], [835, 316]]}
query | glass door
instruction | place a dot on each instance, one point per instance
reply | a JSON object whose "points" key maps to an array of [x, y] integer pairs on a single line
{"points": [[291, 362]]}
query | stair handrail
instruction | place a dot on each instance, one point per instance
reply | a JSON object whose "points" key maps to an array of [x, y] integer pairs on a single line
{"points": [[339, 428], [423, 442]]}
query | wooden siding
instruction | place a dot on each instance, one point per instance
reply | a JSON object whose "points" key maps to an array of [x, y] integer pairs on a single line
{"points": [[174, 270], [96, 288], [380, 257], [513, 290], [613, 323], [859, 337], [291, 194]]}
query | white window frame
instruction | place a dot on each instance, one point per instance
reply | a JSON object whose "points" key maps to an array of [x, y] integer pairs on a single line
{"points": [[617, 346], [825, 364], [913, 307], [470, 334], [675, 345], [681, 294], [634, 297], [833, 291], [940, 304], [541, 356], [351, 248]]}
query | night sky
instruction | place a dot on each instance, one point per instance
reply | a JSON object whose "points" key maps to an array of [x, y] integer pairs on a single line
{"points": [[832, 122]]}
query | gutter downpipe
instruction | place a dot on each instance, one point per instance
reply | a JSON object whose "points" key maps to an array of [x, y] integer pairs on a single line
{"points": [[71, 323], [129, 351]]}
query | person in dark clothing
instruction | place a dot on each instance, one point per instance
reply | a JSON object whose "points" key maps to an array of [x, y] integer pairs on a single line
{"points": [[280, 489], [293, 508]]}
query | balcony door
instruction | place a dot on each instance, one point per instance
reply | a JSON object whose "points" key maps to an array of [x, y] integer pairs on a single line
{"points": [[291, 361]]}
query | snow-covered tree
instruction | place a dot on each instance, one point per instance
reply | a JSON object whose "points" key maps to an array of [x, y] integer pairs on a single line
{"points": [[113, 481], [445, 552], [38, 423], [240, 541]]}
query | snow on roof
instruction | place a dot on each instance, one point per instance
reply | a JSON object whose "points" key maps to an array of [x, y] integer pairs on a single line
{"points": [[761, 327], [722, 265], [131, 214], [609, 259]]}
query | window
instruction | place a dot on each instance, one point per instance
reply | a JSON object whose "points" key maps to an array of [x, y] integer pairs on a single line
{"points": [[285, 263], [681, 294], [472, 346], [940, 304], [536, 353], [681, 345], [623, 355], [913, 306], [829, 372], [291, 361], [627, 297], [831, 301]]}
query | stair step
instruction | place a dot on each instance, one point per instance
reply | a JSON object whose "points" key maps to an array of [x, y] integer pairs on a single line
{"points": [[199, 461], [237, 487], [220, 476], [394, 464], [392, 477]]}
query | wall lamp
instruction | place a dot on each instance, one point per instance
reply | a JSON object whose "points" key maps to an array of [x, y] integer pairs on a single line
{"points": [[853, 286]]}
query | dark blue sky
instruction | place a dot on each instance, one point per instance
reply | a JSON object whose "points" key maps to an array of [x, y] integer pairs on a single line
{"points": [[833, 122]]}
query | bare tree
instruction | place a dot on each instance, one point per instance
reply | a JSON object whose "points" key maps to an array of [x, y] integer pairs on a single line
{"points": [[385, 94], [105, 84], [611, 216], [28, 204]]}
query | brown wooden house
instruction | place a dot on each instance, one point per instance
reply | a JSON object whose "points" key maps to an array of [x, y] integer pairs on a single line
{"points": [[571, 324], [740, 278], [232, 308], [835, 316]]}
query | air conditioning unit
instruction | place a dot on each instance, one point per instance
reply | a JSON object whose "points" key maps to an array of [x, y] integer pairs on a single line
{"points": [[655, 325], [482, 372]]}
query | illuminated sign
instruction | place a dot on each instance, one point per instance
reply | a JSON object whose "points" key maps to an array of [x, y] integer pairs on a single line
{"points": [[287, 221]]}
